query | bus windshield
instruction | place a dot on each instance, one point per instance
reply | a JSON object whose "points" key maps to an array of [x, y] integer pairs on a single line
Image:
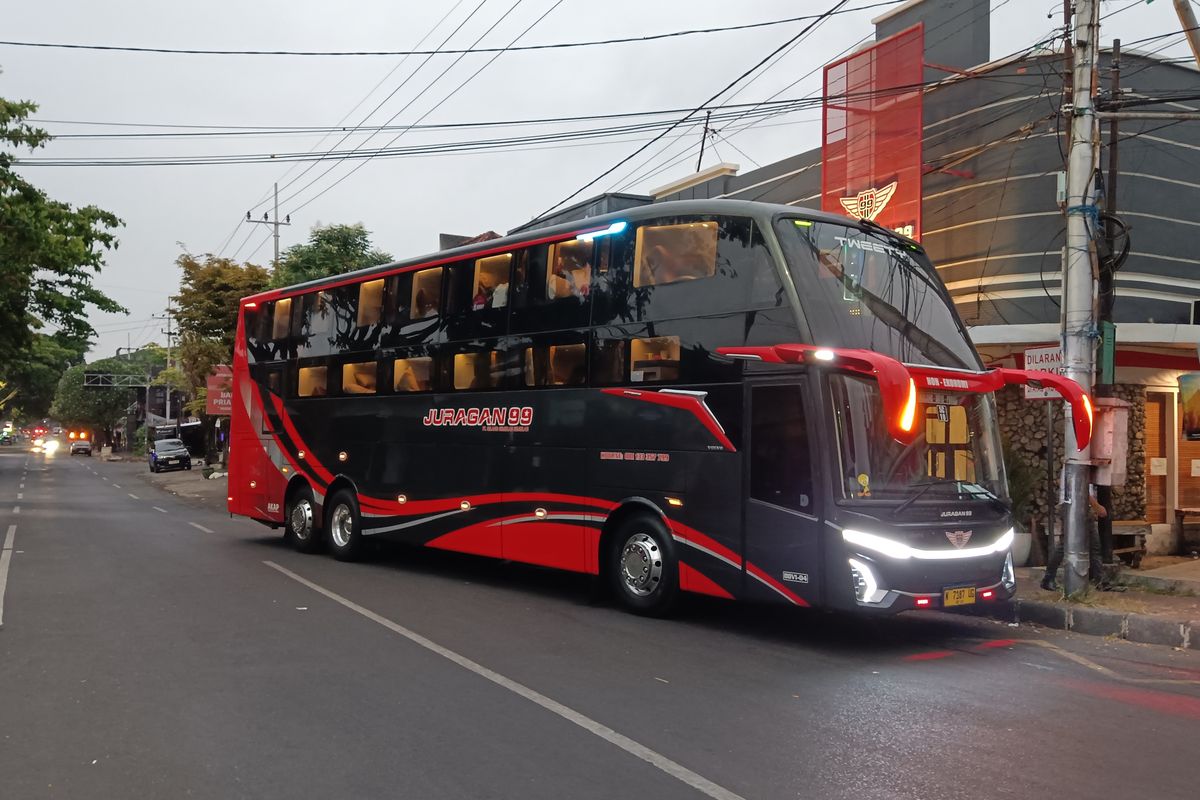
{"points": [[874, 291], [956, 456]]}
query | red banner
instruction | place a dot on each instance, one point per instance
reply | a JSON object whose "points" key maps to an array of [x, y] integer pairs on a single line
{"points": [[219, 399], [872, 130]]}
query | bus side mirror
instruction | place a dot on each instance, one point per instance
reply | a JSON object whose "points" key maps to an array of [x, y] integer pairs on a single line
{"points": [[1072, 393]]}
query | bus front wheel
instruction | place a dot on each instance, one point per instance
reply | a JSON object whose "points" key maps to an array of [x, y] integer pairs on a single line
{"points": [[301, 521], [344, 527], [642, 569]]}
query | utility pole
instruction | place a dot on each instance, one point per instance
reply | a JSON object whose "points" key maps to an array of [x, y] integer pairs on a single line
{"points": [[1079, 283], [276, 223], [169, 333], [703, 139]]}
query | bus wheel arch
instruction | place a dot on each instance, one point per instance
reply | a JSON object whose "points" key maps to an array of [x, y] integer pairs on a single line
{"points": [[341, 511], [301, 516], [636, 541]]}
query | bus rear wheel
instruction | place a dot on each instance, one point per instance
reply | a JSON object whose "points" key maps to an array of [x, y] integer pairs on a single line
{"points": [[642, 569], [301, 521], [344, 527]]}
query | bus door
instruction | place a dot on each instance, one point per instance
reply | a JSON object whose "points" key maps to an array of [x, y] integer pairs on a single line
{"points": [[782, 524]]}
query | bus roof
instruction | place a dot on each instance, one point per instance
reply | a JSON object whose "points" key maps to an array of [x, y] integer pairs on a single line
{"points": [[740, 208]]}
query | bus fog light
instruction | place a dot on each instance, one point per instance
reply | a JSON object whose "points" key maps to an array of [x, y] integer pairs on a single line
{"points": [[866, 585], [1008, 577]]}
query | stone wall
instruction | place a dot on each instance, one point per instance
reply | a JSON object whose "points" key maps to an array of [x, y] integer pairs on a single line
{"points": [[1023, 429]]}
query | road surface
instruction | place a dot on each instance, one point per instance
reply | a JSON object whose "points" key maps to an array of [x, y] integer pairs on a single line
{"points": [[152, 648]]}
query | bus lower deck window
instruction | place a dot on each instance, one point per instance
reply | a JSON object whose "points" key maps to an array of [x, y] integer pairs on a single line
{"points": [[654, 359], [358, 378], [556, 365], [311, 382], [412, 374], [473, 370]]}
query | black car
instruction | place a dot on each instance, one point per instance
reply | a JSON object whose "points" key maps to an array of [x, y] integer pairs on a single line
{"points": [[169, 454]]}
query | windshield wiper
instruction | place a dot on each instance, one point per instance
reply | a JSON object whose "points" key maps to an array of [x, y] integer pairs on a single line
{"points": [[924, 486], [982, 492]]}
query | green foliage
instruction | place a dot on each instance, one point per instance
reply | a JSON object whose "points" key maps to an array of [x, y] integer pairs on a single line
{"points": [[1021, 480], [49, 250], [99, 407], [30, 376], [209, 294], [330, 250], [139, 441]]}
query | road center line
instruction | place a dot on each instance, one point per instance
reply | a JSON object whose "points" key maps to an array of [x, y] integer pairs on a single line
{"points": [[20, 496], [651, 757], [116, 486], [156, 508], [134, 496], [199, 527], [16, 509], [5, 558]]}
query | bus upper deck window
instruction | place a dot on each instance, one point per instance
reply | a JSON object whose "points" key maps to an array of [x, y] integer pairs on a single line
{"points": [[358, 378], [412, 374], [311, 382], [283, 318], [670, 253], [490, 287], [654, 359], [427, 293], [570, 272], [370, 302]]}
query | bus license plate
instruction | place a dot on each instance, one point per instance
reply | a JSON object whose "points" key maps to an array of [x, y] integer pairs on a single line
{"points": [[959, 596]]}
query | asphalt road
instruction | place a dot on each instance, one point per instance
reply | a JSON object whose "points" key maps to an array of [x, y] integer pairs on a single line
{"points": [[152, 648]]}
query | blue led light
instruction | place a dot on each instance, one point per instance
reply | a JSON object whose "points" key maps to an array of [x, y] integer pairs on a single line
{"points": [[616, 227]]}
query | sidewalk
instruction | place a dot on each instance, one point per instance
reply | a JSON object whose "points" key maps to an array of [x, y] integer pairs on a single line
{"points": [[189, 485], [1153, 608]]}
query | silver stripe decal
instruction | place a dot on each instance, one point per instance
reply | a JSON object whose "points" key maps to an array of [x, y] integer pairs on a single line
{"points": [[551, 518], [772, 588], [410, 523], [706, 551]]}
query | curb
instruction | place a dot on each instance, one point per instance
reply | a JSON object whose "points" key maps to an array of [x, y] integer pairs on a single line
{"points": [[1142, 628]]}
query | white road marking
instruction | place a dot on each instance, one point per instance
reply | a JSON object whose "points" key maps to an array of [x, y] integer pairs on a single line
{"points": [[103, 478], [199, 527], [16, 509], [116, 486], [636, 749], [156, 508], [20, 496], [5, 558], [134, 496]]}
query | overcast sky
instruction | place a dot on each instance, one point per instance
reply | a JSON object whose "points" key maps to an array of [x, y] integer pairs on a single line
{"points": [[405, 202]]}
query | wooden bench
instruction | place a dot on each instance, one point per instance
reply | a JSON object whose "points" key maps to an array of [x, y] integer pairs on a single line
{"points": [[1180, 515], [1129, 545]]}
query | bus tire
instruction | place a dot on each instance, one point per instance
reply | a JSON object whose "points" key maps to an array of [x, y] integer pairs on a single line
{"points": [[300, 521], [344, 526], [642, 569]]}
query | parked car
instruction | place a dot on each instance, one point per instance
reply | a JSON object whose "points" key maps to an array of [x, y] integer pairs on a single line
{"points": [[81, 446], [169, 454]]}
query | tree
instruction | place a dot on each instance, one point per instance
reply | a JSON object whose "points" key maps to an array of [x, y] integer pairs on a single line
{"points": [[49, 250], [330, 250], [95, 407], [32, 374]]}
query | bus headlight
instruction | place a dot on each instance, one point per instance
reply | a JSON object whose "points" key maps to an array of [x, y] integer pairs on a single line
{"points": [[866, 585], [1008, 576]]}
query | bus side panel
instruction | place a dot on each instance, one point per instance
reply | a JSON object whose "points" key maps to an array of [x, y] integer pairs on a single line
{"points": [[245, 451]]}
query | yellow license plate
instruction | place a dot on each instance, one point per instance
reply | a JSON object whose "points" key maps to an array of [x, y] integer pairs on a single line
{"points": [[963, 596]]}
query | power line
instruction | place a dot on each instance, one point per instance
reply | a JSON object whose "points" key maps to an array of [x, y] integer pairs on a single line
{"points": [[463, 51], [698, 108]]}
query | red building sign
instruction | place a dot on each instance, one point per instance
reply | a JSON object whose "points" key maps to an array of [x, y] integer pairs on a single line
{"points": [[872, 130], [219, 399]]}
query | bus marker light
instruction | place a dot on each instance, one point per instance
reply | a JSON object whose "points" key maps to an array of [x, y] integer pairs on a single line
{"points": [[987, 594], [251, 305], [253, 484], [909, 415], [540, 513], [342, 456], [823, 355], [230, 498], [922, 602], [616, 227], [401, 499], [675, 501], [465, 505], [300, 454], [284, 470]]}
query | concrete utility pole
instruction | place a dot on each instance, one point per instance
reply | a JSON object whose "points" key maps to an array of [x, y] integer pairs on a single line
{"points": [[169, 335], [1079, 282], [276, 223], [1187, 19]]}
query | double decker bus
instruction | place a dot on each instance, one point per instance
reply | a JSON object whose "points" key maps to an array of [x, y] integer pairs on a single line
{"points": [[720, 397]]}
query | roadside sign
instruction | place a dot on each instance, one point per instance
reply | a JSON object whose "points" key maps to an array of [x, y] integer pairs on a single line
{"points": [[220, 396], [1045, 359]]}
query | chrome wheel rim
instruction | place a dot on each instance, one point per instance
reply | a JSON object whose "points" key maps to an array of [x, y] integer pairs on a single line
{"points": [[302, 520], [641, 565], [342, 526]]}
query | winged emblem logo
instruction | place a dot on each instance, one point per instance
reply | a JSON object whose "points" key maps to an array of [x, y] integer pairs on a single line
{"points": [[868, 204], [959, 538]]}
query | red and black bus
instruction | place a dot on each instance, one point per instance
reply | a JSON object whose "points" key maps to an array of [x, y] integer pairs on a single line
{"points": [[723, 397]]}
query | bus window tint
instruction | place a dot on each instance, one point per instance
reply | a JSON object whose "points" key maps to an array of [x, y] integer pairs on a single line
{"points": [[427, 293], [473, 370], [654, 359], [490, 285], [282, 319], [570, 273], [317, 326], [780, 461], [358, 378], [370, 303], [311, 382], [412, 374], [556, 365], [669, 253]]}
